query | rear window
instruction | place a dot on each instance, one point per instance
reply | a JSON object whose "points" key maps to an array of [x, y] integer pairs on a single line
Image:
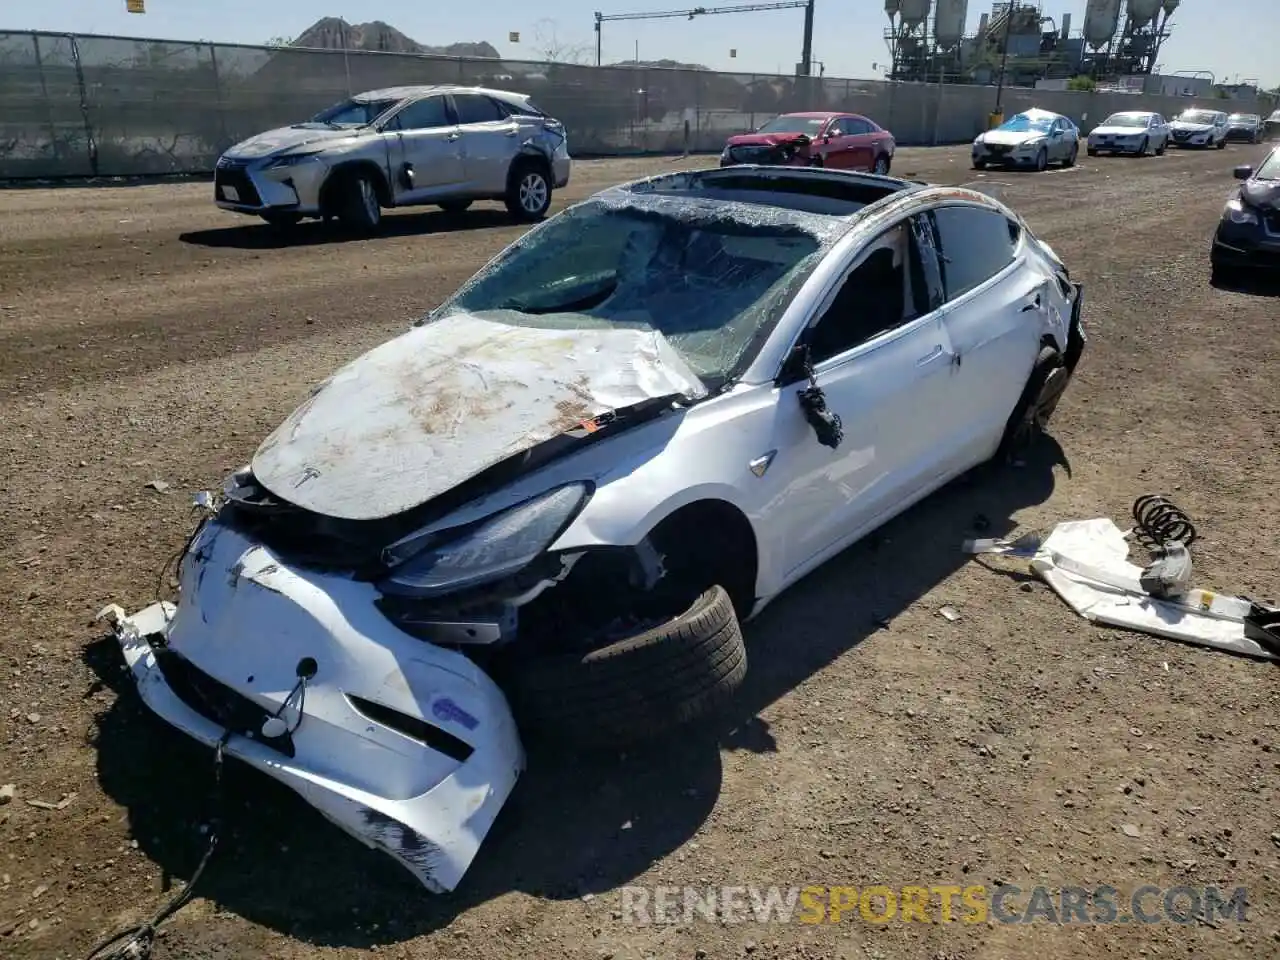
{"points": [[975, 244]]}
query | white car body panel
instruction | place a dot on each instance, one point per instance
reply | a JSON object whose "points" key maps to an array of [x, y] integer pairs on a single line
{"points": [[386, 789], [358, 448]]}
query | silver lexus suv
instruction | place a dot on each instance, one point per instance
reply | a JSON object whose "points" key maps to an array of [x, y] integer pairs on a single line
{"points": [[400, 147]]}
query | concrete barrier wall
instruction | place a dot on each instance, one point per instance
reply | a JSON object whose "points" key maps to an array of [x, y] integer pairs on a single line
{"points": [[81, 105]]}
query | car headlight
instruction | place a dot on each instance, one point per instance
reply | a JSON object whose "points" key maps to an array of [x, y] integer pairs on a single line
{"points": [[1237, 212], [442, 561], [290, 160]]}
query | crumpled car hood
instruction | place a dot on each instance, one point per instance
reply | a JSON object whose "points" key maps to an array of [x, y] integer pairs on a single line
{"points": [[767, 139], [283, 138], [1263, 194], [420, 414]]}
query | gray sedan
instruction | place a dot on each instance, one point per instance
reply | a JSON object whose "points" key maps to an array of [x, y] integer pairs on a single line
{"points": [[1033, 138]]}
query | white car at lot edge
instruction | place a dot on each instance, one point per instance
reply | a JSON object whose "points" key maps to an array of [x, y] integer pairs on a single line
{"points": [[544, 510], [1136, 132]]}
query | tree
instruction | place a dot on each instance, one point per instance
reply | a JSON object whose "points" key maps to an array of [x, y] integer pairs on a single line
{"points": [[548, 46], [1082, 83]]}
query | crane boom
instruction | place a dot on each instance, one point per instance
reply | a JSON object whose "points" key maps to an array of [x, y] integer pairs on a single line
{"points": [[806, 56]]}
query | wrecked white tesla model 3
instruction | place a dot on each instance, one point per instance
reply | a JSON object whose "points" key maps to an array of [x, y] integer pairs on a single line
{"points": [[546, 507]]}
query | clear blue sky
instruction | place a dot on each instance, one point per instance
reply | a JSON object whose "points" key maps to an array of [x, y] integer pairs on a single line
{"points": [[1229, 37]]}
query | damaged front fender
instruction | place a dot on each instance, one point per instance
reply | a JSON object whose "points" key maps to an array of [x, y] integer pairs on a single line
{"points": [[407, 746]]}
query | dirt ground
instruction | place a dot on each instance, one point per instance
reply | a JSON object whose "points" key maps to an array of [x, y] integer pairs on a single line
{"points": [[146, 336]]}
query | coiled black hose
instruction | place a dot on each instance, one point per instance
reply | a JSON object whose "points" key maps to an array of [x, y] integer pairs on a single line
{"points": [[1159, 521]]}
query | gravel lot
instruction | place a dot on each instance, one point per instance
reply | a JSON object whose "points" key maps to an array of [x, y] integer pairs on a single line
{"points": [[145, 335]]}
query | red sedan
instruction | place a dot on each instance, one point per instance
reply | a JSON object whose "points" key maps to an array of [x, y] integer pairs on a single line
{"points": [[842, 141]]}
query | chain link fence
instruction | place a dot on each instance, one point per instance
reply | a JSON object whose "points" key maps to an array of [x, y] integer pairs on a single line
{"points": [[73, 106]]}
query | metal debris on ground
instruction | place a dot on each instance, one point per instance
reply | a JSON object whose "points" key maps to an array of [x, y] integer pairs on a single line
{"points": [[1086, 563], [49, 805], [949, 613]]}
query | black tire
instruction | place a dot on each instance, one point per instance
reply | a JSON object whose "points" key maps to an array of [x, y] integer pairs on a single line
{"points": [[1146, 145], [979, 164], [1222, 275], [528, 191], [634, 688], [1071, 157], [881, 166], [1032, 412], [281, 220], [1091, 151], [1042, 160], [358, 206], [455, 206], [816, 161], [1222, 144], [1164, 145]]}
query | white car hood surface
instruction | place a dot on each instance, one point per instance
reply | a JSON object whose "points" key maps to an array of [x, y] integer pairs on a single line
{"points": [[1011, 137], [1191, 127], [1120, 131], [282, 138], [420, 414]]}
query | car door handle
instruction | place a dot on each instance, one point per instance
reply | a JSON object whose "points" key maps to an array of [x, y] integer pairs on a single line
{"points": [[1033, 305], [929, 357]]}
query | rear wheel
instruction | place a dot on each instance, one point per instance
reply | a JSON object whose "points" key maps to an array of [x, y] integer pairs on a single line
{"points": [[528, 191], [1037, 403]]}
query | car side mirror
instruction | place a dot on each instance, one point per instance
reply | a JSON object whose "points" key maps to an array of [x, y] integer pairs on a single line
{"points": [[795, 369], [1243, 172]]}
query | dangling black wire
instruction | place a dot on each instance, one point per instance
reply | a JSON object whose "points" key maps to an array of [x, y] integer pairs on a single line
{"points": [[135, 943], [1158, 521]]}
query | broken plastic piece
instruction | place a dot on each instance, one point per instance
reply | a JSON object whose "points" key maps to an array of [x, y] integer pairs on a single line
{"points": [[1026, 545]]}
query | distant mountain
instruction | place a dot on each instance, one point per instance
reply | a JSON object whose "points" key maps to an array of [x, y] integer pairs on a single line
{"points": [[334, 33], [667, 64]]}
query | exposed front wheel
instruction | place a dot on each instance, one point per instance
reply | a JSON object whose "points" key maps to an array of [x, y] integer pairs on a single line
{"points": [[1222, 144], [1042, 160], [528, 192], [636, 687], [1071, 157], [360, 208], [1144, 146], [1160, 149], [979, 164]]}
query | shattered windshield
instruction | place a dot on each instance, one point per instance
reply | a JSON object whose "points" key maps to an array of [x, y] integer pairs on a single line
{"points": [[1025, 124], [1126, 120], [350, 113], [785, 124], [711, 276], [1270, 169], [1196, 116]]}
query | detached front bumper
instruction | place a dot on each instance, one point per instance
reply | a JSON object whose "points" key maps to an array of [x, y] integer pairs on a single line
{"points": [[407, 746]]}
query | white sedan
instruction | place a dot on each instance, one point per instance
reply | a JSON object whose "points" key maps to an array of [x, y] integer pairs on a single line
{"points": [[544, 509], [1136, 132]]}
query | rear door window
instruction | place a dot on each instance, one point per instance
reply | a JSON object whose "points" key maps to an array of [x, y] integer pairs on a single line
{"points": [[975, 244], [473, 108]]}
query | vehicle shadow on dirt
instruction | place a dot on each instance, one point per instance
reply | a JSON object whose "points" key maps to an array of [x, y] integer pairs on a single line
{"points": [[577, 826], [310, 233], [1255, 284]]}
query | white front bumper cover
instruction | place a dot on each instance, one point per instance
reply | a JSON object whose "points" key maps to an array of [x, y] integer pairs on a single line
{"points": [[244, 622]]}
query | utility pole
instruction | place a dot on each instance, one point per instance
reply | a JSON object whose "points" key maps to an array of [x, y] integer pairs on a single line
{"points": [[1004, 56], [806, 49]]}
